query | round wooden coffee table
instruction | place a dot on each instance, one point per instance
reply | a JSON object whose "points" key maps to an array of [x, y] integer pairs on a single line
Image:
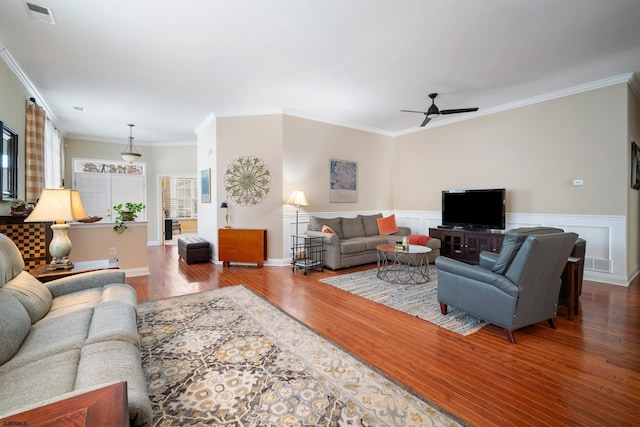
{"points": [[408, 267]]}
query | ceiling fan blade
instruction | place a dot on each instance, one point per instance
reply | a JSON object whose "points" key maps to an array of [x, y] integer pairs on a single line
{"points": [[426, 120], [413, 111], [459, 110]]}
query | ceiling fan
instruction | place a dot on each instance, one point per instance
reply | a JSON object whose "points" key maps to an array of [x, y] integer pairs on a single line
{"points": [[433, 110]]}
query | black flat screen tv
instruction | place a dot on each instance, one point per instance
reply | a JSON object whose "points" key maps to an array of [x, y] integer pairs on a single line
{"points": [[474, 209]]}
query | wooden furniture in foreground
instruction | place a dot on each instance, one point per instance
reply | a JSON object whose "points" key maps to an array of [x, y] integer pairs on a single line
{"points": [[242, 245], [43, 274], [105, 407], [466, 245]]}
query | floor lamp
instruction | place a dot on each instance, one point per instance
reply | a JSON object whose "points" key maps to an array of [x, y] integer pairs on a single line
{"points": [[297, 198]]}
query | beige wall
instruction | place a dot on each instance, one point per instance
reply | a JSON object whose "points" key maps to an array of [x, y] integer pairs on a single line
{"points": [[94, 241], [13, 97], [633, 213], [259, 136], [534, 151], [308, 147]]}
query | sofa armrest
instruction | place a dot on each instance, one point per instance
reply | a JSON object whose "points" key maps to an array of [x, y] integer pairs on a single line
{"points": [[331, 244], [82, 281], [477, 274], [402, 231], [329, 238]]}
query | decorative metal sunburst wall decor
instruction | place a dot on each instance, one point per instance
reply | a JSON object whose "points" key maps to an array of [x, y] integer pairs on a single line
{"points": [[247, 180]]}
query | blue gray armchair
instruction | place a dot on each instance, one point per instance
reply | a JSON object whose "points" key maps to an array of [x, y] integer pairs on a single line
{"points": [[515, 288]]}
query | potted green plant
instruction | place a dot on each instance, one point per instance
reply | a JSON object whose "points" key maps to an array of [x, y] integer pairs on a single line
{"points": [[20, 207], [127, 211]]}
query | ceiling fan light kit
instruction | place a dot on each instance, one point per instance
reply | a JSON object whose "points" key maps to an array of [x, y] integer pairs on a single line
{"points": [[434, 111]]}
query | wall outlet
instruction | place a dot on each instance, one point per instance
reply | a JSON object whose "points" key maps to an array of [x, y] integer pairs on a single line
{"points": [[112, 251]]}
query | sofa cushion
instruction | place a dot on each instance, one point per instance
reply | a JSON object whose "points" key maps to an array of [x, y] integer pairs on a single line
{"points": [[37, 381], [51, 336], [33, 294], [387, 225], [123, 360], [113, 321], [512, 243], [352, 227], [370, 223], [315, 224], [11, 262], [14, 327], [371, 242], [352, 246]]}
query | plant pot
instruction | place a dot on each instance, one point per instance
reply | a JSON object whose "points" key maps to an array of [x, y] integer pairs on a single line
{"points": [[21, 211], [128, 216]]}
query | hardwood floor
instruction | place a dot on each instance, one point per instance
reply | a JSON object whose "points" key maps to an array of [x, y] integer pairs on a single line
{"points": [[584, 373]]}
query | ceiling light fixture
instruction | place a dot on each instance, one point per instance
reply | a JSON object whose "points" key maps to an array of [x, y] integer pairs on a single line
{"points": [[130, 154]]}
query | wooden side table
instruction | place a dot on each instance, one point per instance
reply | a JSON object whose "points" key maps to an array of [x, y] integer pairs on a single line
{"points": [[242, 245], [43, 274], [573, 270], [105, 407]]}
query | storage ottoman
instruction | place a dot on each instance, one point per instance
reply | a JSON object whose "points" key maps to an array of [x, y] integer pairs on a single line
{"points": [[194, 249]]}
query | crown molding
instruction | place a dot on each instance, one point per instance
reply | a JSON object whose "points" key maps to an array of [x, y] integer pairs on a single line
{"points": [[15, 67], [610, 81]]}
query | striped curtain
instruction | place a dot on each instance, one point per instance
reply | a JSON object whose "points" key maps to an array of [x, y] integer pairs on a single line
{"points": [[34, 151]]}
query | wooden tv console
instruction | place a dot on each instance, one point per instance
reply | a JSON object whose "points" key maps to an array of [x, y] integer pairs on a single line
{"points": [[466, 245]]}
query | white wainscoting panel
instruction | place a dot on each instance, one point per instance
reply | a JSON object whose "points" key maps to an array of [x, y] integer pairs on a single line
{"points": [[605, 235]]}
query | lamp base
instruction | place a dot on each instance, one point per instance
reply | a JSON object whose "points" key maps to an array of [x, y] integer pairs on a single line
{"points": [[60, 248], [60, 264]]}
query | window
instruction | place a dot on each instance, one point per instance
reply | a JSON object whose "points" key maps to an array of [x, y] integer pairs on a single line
{"points": [[9, 175], [180, 197]]}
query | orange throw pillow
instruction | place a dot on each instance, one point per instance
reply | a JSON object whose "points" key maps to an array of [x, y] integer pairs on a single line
{"points": [[327, 229], [387, 225], [418, 239]]}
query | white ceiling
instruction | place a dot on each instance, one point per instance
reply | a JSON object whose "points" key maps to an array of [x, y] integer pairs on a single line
{"points": [[167, 66]]}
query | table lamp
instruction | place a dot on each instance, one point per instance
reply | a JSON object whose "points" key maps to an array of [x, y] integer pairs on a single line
{"points": [[225, 206], [297, 198], [58, 205]]}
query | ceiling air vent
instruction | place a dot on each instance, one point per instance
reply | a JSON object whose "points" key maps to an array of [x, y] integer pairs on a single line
{"points": [[40, 13]]}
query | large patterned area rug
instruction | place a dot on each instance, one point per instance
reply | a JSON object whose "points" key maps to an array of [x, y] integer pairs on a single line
{"points": [[417, 300], [229, 358]]}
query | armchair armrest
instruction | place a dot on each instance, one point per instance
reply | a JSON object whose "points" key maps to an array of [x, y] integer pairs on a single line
{"points": [[478, 274], [82, 281], [488, 259]]}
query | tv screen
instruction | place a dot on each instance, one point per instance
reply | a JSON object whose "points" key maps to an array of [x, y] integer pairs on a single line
{"points": [[474, 209]]}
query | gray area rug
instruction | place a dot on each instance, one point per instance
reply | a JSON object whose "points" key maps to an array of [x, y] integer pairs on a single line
{"points": [[229, 358], [417, 300]]}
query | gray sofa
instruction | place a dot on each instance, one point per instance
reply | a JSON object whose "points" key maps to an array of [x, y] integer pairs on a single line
{"points": [[356, 239], [66, 337]]}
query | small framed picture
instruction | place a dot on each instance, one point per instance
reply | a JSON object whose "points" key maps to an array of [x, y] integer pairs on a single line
{"points": [[205, 185], [635, 168]]}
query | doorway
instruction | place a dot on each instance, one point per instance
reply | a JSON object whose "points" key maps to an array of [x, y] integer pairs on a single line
{"points": [[179, 207]]}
